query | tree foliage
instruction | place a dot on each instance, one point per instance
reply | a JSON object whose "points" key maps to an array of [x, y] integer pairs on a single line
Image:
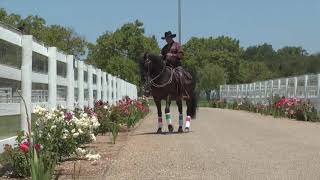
{"points": [[65, 39], [119, 52]]}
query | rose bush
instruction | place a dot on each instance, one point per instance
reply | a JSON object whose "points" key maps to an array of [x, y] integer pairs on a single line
{"points": [[276, 106], [60, 133]]}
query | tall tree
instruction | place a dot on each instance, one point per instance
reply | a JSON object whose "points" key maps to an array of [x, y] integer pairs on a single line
{"points": [[125, 46], [65, 39], [211, 77]]}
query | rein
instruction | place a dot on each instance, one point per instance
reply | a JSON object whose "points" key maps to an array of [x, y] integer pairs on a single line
{"points": [[157, 76]]}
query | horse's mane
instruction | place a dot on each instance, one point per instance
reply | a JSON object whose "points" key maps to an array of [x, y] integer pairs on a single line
{"points": [[153, 57]]}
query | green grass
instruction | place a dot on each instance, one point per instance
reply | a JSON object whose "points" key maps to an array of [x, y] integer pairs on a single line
{"points": [[9, 125]]}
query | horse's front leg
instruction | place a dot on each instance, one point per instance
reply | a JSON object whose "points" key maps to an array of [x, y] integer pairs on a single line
{"points": [[168, 114], [160, 123], [179, 104]]}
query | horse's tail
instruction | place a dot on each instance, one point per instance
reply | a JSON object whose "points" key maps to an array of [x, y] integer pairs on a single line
{"points": [[193, 104], [194, 97]]}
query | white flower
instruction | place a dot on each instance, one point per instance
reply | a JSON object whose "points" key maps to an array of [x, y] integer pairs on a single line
{"points": [[93, 138], [105, 107], [53, 127], [73, 131], [75, 135], [80, 131], [80, 152], [64, 136], [93, 157]]}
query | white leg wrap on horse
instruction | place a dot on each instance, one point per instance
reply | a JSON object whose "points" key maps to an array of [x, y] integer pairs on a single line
{"points": [[188, 118], [160, 123], [168, 118]]}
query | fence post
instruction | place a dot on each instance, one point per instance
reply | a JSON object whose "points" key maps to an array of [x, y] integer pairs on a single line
{"points": [[98, 72], [272, 88], [295, 86], [70, 79], [265, 89], [52, 77], [279, 87], [237, 91], [110, 89], [260, 91], [114, 90], [228, 91], [80, 84], [287, 83], [122, 89], [104, 87], [246, 90], [305, 87], [254, 92], [26, 82], [90, 85], [318, 87]]}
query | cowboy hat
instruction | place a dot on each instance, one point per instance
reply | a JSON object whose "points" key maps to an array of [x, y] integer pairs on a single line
{"points": [[168, 34]]}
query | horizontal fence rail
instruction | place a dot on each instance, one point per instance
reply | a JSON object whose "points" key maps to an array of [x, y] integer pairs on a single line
{"points": [[45, 76], [305, 87]]}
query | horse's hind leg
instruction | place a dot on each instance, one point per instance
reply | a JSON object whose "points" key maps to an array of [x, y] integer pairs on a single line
{"points": [[168, 114], [188, 118], [179, 104], [160, 124]]}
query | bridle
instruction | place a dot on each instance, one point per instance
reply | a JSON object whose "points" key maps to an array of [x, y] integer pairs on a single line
{"points": [[149, 63]]}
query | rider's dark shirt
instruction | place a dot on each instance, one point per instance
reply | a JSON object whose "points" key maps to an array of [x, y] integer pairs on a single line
{"points": [[172, 53]]}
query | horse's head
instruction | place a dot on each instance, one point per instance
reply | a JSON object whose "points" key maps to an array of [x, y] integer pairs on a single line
{"points": [[151, 64]]}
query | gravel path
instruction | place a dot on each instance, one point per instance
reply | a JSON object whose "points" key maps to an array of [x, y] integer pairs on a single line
{"points": [[222, 144]]}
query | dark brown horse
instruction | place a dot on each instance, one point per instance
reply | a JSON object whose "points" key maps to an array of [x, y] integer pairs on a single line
{"points": [[164, 86]]}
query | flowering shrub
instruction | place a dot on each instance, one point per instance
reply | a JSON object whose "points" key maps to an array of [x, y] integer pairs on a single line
{"points": [[218, 104], [61, 131], [293, 108]]}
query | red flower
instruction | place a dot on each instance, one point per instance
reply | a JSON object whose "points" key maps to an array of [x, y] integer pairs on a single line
{"points": [[24, 147], [37, 147], [139, 105]]}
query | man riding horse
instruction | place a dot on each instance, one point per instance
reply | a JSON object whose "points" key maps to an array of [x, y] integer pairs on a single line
{"points": [[169, 81], [172, 51]]}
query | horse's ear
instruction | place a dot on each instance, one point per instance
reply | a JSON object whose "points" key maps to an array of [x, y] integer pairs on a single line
{"points": [[145, 55]]}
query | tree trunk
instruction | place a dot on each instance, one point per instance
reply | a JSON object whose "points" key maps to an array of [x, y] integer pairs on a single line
{"points": [[208, 92]]}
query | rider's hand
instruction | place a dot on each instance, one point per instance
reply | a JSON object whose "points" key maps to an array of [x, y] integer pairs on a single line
{"points": [[169, 54]]}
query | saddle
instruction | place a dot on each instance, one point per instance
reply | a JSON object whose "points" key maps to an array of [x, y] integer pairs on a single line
{"points": [[183, 79]]}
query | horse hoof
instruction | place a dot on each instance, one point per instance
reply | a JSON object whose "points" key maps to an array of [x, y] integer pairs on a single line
{"points": [[170, 128], [186, 129], [159, 131], [180, 130]]}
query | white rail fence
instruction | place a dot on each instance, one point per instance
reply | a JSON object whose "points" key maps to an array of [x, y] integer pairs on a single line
{"points": [[303, 87], [45, 76]]}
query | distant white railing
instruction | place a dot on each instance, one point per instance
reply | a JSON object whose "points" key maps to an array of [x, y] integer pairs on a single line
{"points": [[303, 87]]}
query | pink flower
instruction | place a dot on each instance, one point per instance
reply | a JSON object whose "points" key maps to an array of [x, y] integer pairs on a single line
{"points": [[68, 116], [37, 147], [24, 147]]}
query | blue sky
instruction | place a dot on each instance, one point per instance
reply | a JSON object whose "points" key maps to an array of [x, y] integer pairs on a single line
{"points": [[278, 22]]}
